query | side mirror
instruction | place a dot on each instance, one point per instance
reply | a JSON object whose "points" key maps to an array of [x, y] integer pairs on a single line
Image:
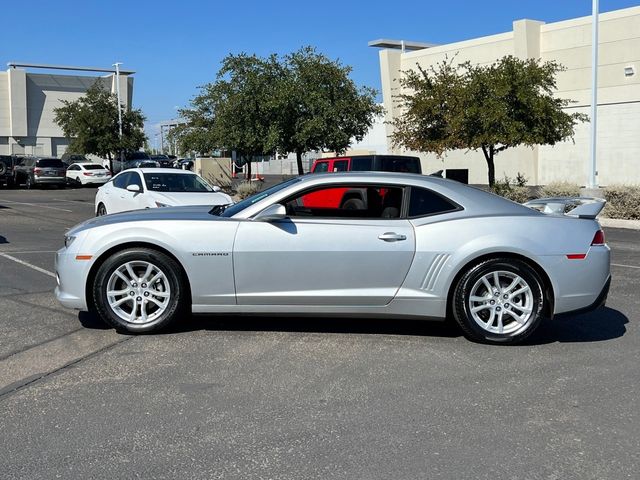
{"points": [[133, 188], [271, 213], [216, 188]]}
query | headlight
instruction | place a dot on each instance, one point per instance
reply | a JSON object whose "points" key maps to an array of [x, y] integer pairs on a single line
{"points": [[68, 240], [160, 205]]}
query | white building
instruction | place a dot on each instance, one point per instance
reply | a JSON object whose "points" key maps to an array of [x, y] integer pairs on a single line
{"points": [[27, 101], [569, 43]]}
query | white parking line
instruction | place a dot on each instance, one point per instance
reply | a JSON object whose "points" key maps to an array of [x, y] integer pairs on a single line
{"points": [[27, 264], [36, 205], [626, 266]]}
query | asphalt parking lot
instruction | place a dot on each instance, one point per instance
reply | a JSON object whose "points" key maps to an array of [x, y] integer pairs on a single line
{"points": [[241, 397]]}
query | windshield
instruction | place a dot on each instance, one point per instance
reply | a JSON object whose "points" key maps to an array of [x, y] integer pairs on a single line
{"points": [[176, 182], [137, 156], [247, 202]]}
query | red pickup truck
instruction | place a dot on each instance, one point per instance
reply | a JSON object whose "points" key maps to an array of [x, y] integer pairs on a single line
{"points": [[356, 199]]}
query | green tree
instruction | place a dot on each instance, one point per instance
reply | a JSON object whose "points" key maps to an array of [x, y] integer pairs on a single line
{"points": [[298, 103], [482, 107], [91, 124], [318, 107], [236, 112]]}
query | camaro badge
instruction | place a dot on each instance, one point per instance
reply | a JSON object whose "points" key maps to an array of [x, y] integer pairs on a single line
{"points": [[210, 254]]}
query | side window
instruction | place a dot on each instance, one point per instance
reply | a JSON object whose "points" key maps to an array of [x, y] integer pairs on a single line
{"points": [[321, 167], [361, 164], [400, 164], [340, 165], [122, 180], [135, 180], [347, 201], [425, 202]]}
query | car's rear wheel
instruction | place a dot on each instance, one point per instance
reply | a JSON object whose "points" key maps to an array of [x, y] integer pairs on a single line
{"points": [[139, 290], [28, 183], [102, 210], [500, 300]]}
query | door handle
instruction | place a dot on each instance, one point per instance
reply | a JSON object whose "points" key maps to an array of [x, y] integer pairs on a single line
{"points": [[392, 237]]}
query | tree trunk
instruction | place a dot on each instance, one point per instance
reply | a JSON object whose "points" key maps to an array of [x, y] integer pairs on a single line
{"points": [[299, 162], [488, 156], [110, 162]]}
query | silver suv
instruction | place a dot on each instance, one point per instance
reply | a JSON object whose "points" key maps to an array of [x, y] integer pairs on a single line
{"points": [[35, 171]]}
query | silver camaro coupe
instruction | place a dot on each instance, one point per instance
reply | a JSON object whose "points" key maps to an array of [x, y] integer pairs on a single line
{"points": [[346, 244]]}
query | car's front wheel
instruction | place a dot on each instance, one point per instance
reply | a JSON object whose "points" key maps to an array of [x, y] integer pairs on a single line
{"points": [[139, 290], [102, 210], [499, 300]]}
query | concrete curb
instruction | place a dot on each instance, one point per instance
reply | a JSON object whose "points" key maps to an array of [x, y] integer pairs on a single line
{"points": [[617, 223]]}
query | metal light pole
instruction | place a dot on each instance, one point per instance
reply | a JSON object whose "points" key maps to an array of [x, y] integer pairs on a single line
{"points": [[593, 183], [117, 65]]}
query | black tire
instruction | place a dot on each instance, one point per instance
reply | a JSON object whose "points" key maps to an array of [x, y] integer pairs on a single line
{"points": [[176, 303], [3, 168], [78, 183], [517, 332], [102, 210], [353, 204], [28, 183]]}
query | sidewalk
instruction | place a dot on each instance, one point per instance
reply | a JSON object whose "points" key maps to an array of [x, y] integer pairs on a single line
{"points": [[616, 223]]}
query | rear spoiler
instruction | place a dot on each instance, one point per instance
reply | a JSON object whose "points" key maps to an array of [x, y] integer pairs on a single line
{"points": [[580, 207]]}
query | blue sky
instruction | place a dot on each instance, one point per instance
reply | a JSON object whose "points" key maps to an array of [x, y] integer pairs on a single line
{"points": [[176, 46]]}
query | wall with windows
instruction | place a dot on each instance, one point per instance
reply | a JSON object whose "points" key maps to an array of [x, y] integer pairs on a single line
{"points": [[569, 43]]}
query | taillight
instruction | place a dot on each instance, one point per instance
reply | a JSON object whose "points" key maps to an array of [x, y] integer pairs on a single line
{"points": [[598, 238], [37, 171], [87, 174]]}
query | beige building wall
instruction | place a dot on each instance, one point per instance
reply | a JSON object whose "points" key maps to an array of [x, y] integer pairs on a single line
{"points": [[569, 43], [27, 103]]}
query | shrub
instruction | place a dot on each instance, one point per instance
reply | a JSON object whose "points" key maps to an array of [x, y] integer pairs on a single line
{"points": [[246, 189], [517, 192], [623, 201], [560, 189]]}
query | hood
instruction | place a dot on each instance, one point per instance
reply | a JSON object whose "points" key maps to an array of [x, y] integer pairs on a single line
{"points": [[190, 213], [191, 198]]}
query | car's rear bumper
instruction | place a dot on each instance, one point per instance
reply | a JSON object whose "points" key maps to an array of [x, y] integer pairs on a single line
{"points": [[50, 180], [95, 180], [600, 301]]}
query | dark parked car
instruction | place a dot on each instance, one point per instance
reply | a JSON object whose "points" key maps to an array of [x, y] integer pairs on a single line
{"points": [[133, 160], [163, 160], [6, 170], [70, 158], [36, 171]]}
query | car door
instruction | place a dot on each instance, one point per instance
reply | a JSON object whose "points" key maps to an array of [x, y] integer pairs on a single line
{"points": [[131, 200], [325, 256]]}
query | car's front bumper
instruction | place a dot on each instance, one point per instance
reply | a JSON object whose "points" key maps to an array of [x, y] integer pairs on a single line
{"points": [[71, 275]]}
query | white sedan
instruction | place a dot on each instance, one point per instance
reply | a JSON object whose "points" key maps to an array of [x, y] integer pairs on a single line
{"points": [[85, 173], [140, 188]]}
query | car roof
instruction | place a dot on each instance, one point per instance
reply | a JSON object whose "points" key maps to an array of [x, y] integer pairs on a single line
{"points": [[161, 170], [474, 200]]}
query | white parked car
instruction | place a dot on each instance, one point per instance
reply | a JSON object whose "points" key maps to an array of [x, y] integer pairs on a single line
{"points": [[85, 173], [139, 188]]}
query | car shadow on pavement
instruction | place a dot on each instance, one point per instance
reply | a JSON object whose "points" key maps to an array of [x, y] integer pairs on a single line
{"points": [[3, 240], [316, 325], [599, 325]]}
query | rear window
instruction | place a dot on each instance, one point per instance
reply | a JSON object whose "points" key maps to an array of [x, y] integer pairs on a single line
{"points": [[425, 202], [50, 163], [94, 166], [399, 164]]}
